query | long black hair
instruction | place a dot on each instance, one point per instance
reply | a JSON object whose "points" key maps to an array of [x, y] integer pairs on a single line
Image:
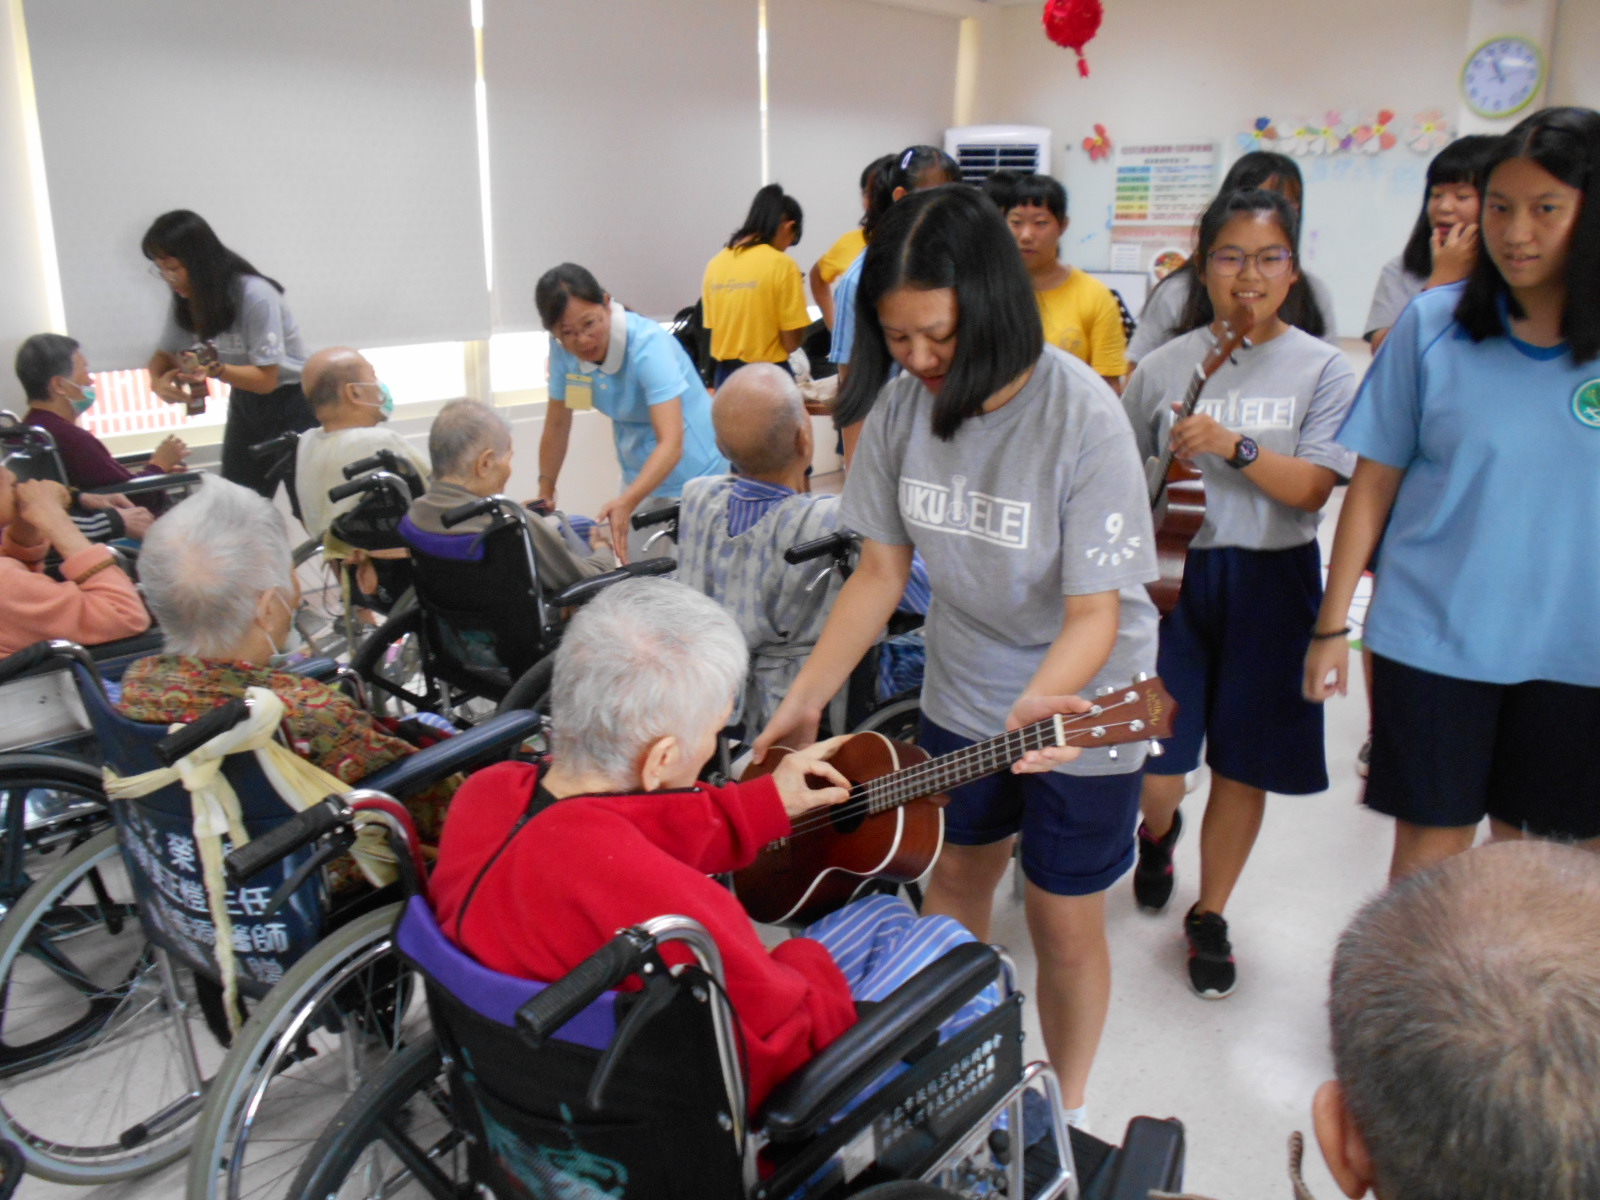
{"points": [[1198, 311], [1459, 162], [214, 271], [560, 284], [768, 211], [1566, 143], [946, 237], [914, 168]]}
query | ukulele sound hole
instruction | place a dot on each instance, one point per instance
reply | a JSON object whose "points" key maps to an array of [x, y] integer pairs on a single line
{"points": [[848, 821]]}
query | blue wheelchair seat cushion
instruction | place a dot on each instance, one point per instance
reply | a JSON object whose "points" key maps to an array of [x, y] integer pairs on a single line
{"points": [[459, 547], [490, 994]]}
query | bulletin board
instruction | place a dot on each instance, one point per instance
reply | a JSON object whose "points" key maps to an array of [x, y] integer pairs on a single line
{"points": [[1161, 190]]}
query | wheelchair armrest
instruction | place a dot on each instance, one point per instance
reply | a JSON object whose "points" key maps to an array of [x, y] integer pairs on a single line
{"points": [[811, 1097], [141, 484], [1150, 1159], [438, 762], [586, 590]]}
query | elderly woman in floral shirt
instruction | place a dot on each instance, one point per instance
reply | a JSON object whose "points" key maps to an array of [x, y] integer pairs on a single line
{"points": [[217, 572]]}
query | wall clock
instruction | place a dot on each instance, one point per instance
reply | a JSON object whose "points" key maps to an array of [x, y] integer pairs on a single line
{"points": [[1502, 76]]}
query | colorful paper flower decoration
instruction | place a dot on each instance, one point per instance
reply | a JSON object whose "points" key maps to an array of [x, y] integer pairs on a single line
{"points": [[1295, 138], [1326, 136], [1073, 24], [1429, 132], [1375, 135], [1263, 135], [1098, 146]]}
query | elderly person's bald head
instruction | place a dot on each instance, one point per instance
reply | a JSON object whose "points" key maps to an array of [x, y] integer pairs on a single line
{"points": [[761, 422], [328, 372]]}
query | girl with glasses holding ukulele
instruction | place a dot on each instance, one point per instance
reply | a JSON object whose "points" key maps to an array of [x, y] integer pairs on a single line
{"points": [[1478, 429], [1262, 435]]}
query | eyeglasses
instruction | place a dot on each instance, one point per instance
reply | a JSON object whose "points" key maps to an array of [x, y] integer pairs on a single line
{"points": [[589, 326], [1271, 262], [166, 275]]}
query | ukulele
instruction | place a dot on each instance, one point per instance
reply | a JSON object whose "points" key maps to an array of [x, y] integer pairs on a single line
{"points": [[1177, 495], [892, 826], [198, 361]]}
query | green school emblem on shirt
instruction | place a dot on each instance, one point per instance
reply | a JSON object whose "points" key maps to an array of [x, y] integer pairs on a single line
{"points": [[1586, 403]]}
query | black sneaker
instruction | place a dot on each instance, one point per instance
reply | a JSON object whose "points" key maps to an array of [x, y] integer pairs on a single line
{"points": [[1212, 974], [1152, 875]]}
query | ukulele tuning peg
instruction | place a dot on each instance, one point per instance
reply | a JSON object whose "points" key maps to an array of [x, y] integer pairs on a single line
{"points": [[1104, 691], [1156, 750], [1136, 726], [1112, 752], [1142, 677]]}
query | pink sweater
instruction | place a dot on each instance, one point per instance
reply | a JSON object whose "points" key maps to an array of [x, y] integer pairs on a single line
{"points": [[102, 608]]}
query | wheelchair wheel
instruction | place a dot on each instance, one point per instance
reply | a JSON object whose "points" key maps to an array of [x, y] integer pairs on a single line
{"points": [[103, 1050], [394, 1139], [896, 720], [532, 690], [334, 1021], [49, 804], [391, 660]]}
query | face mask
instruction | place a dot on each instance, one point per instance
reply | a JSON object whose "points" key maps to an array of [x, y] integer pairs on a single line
{"points": [[385, 404], [294, 643], [85, 399]]}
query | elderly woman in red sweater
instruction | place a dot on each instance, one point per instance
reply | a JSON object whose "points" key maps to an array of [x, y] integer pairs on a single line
{"points": [[536, 873], [93, 602]]}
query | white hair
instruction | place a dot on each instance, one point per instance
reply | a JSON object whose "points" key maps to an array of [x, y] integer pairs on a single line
{"points": [[647, 658], [205, 564], [463, 430]]}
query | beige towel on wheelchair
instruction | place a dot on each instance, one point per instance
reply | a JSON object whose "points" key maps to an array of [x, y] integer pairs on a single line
{"points": [[216, 811]]}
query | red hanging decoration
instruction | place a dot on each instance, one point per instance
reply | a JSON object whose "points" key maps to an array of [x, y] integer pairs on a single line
{"points": [[1073, 24]]}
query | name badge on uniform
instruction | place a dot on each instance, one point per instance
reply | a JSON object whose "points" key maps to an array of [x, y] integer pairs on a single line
{"points": [[1586, 403], [580, 391]]}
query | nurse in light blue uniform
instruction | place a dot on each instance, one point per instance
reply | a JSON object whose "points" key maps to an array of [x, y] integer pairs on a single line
{"points": [[604, 357]]}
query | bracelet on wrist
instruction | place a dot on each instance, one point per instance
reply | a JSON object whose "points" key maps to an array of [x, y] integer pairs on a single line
{"points": [[1318, 636]]}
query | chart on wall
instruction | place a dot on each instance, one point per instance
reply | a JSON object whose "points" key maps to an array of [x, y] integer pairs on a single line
{"points": [[1161, 190]]}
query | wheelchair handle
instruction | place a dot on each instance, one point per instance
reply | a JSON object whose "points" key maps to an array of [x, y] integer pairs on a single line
{"points": [[381, 460], [544, 1014], [834, 543], [278, 445], [197, 733], [25, 660], [283, 840], [656, 516], [374, 482], [465, 512]]}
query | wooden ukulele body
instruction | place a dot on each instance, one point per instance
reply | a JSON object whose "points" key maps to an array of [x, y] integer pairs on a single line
{"points": [[799, 879], [1178, 518]]}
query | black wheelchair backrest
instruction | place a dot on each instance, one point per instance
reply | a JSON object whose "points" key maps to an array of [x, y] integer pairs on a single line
{"points": [[28, 452]]}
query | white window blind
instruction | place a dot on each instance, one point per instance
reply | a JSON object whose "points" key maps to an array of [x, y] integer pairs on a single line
{"points": [[848, 82], [330, 142], [624, 135]]}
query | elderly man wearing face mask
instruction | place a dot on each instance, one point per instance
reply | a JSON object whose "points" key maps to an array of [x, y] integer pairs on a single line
{"points": [[54, 374]]}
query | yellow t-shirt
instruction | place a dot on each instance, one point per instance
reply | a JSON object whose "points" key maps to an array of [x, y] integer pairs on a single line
{"points": [[841, 254], [750, 295], [1081, 316]]}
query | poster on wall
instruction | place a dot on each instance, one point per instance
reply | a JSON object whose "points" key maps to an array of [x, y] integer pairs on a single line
{"points": [[1162, 188]]}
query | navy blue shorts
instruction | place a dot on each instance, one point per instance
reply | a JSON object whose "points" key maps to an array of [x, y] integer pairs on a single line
{"points": [[1446, 752], [1077, 830], [1232, 654]]}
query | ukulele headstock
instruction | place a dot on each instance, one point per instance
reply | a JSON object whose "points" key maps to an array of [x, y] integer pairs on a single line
{"points": [[1142, 710], [1233, 331]]}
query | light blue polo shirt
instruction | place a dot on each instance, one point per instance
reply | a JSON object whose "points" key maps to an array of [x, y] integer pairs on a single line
{"points": [[1490, 568], [651, 369], [844, 310]]}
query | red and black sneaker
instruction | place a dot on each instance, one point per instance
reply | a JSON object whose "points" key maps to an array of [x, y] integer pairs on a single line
{"points": [[1212, 974], [1152, 875]]}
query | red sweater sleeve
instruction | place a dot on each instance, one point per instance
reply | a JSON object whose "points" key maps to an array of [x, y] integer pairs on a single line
{"points": [[103, 608]]}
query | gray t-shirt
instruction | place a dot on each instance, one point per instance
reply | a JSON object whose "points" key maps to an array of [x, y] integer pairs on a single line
{"points": [[1290, 394], [1041, 499], [1163, 309], [264, 334], [1397, 287]]}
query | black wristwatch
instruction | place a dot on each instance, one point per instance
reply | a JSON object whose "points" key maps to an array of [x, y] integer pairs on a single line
{"points": [[1246, 454]]}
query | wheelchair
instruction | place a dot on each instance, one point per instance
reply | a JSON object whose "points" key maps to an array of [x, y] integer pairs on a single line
{"points": [[111, 992], [482, 630], [574, 1089]]}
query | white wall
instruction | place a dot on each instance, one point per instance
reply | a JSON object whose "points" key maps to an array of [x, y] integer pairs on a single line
{"points": [[1162, 70], [23, 307], [1573, 77]]}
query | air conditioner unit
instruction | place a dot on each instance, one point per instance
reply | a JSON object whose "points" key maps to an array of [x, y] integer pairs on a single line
{"points": [[984, 149]]}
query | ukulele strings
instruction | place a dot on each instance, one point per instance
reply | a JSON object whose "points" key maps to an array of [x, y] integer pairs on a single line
{"points": [[958, 767]]}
